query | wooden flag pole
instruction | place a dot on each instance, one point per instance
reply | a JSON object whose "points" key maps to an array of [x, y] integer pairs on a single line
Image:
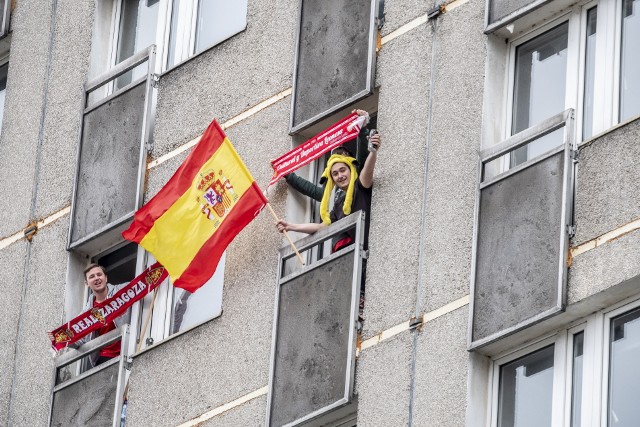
{"points": [[286, 234]]}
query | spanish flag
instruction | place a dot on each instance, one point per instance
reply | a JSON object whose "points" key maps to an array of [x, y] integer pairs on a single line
{"points": [[206, 203]]}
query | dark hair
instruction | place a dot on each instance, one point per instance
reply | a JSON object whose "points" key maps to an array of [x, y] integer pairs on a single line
{"points": [[342, 151], [91, 267]]}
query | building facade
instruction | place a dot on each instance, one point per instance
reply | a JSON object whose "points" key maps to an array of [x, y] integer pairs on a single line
{"points": [[503, 270]]}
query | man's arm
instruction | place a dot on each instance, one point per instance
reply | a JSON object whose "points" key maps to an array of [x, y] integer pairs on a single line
{"points": [[366, 174], [309, 228], [305, 187]]}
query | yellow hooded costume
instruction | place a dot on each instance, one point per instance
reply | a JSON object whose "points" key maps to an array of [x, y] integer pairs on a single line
{"points": [[326, 177]]}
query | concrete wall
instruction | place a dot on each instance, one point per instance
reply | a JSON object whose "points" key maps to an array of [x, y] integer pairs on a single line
{"points": [[431, 86]]}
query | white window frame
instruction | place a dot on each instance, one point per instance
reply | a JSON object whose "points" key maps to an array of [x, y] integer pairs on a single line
{"points": [[595, 376], [606, 73], [186, 30]]}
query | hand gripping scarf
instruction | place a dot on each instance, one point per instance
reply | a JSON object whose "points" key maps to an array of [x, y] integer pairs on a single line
{"points": [[326, 177]]}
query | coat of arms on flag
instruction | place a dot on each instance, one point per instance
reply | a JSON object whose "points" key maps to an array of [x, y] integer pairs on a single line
{"points": [[193, 218]]}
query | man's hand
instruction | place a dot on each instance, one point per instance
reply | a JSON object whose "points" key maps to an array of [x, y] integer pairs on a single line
{"points": [[283, 226], [375, 140]]}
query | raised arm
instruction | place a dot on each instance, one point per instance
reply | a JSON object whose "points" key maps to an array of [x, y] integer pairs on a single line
{"points": [[366, 174]]}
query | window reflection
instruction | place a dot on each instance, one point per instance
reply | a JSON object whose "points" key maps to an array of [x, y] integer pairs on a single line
{"points": [[4, 69], [576, 385], [138, 22], [539, 89], [630, 60], [526, 387], [219, 20], [624, 371], [589, 77], [190, 309]]}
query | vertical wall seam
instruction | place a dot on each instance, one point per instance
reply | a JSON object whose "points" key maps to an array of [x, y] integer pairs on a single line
{"points": [[420, 288], [27, 261]]}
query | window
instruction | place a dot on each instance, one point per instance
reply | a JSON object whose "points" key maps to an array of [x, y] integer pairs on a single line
{"points": [[199, 24], [586, 59], [4, 69], [176, 310], [179, 28], [556, 381]]}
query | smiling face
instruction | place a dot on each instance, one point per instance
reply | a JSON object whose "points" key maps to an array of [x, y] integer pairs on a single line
{"points": [[96, 280], [341, 175]]}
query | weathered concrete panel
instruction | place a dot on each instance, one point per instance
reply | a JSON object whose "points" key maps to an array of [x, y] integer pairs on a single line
{"points": [[312, 344], [12, 259], [229, 78], [453, 154], [89, 402], [72, 44], [334, 50], [249, 414], [608, 183], [401, 12], [440, 394], [42, 310], [109, 159], [604, 267], [383, 378], [518, 251], [23, 111], [396, 208], [229, 357]]}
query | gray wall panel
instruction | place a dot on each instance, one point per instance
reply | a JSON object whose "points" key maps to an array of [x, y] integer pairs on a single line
{"points": [[334, 50], [441, 372], [383, 376], [108, 173], [594, 272], [518, 247], [248, 414], [11, 285], [72, 43], [87, 402], [608, 183], [396, 207], [42, 311], [23, 111], [312, 343], [453, 154]]}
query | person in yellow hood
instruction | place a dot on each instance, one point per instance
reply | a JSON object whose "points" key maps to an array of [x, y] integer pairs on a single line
{"points": [[341, 171]]}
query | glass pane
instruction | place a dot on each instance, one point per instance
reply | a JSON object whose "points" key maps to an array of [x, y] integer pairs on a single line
{"points": [[539, 88], [630, 60], [176, 15], [526, 388], [190, 309], [576, 388], [624, 370], [219, 20], [138, 23], [589, 77], [3, 86]]}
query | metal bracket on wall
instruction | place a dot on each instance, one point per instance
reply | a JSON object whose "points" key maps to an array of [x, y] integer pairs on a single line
{"points": [[416, 323], [30, 231], [155, 80], [571, 230], [381, 14]]}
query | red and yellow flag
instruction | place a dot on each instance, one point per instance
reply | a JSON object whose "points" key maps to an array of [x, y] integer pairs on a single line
{"points": [[206, 203]]}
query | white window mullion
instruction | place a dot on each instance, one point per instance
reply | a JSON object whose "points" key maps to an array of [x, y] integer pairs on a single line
{"points": [[604, 93], [560, 375], [195, 5], [615, 56], [573, 60]]}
